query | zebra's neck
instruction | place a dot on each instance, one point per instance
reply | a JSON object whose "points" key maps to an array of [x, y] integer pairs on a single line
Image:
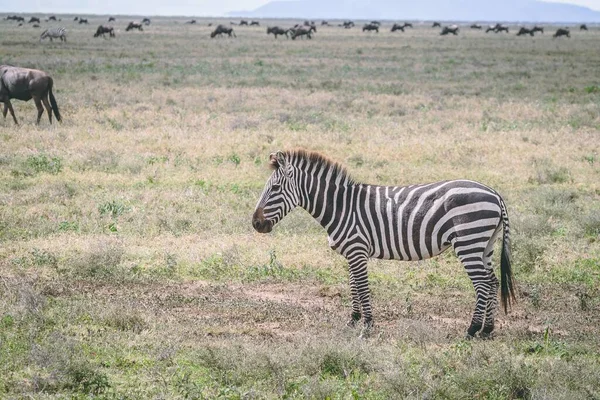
{"points": [[327, 194]]}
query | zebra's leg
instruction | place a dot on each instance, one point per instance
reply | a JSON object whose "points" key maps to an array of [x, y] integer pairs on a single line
{"points": [[492, 304], [356, 315], [358, 266], [471, 256], [38, 104], [48, 108]]}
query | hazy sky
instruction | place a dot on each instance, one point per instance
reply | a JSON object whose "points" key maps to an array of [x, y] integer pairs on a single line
{"points": [[161, 7]]}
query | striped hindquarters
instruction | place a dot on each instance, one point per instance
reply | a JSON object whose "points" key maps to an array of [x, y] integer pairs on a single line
{"points": [[421, 221]]}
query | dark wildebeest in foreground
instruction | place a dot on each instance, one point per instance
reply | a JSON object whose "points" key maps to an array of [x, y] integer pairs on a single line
{"points": [[134, 25], [26, 84], [562, 32], [300, 32], [583, 27], [34, 19], [83, 21], [192, 22], [436, 25], [525, 31], [538, 29], [275, 30], [111, 19], [221, 29], [371, 27], [450, 29], [475, 26], [254, 23], [102, 30], [146, 21]]}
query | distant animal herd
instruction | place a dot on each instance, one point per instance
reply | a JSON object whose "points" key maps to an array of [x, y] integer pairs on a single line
{"points": [[26, 84], [301, 30]]}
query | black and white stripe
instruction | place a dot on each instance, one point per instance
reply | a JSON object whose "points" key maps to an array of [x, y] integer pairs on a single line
{"points": [[405, 223], [55, 33]]}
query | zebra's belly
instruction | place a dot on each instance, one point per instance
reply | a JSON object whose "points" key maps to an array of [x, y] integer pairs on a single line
{"points": [[386, 255]]}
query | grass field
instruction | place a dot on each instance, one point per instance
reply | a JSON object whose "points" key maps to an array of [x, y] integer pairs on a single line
{"points": [[129, 268]]}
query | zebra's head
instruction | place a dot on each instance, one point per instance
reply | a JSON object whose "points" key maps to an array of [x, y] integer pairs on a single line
{"points": [[279, 197]]}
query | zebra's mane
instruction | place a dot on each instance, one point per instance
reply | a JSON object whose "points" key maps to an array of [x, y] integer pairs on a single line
{"points": [[313, 157]]}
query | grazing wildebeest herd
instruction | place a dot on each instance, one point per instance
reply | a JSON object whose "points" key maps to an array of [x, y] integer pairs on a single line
{"points": [[25, 84]]}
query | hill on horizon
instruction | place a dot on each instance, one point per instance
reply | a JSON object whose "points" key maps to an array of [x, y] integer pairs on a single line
{"points": [[453, 10]]}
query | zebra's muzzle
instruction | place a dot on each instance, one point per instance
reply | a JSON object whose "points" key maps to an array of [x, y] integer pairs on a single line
{"points": [[260, 223]]}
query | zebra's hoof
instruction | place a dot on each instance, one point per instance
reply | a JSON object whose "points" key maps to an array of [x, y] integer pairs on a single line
{"points": [[486, 335], [366, 331]]}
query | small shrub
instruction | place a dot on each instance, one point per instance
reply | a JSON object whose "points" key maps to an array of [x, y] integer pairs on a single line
{"points": [[590, 223], [124, 321], [43, 163], [101, 260], [113, 208]]}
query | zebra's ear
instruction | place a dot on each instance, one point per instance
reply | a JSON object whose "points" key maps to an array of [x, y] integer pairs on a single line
{"points": [[276, 160]]}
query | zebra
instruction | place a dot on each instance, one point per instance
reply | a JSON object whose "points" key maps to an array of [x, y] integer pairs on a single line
{"points": [[409, 223], [54, 33]]}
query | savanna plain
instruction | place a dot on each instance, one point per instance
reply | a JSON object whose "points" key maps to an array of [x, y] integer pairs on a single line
{"points": [[129, 268]]}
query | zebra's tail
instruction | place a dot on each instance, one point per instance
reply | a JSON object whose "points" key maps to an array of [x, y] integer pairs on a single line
{"points": [[507, 291], [53, 102]]}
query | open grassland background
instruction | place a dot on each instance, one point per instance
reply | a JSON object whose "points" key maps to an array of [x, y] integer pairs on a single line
{"points": [[129, 268]]}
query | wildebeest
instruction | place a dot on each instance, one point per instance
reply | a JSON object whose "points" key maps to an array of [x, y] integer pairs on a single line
{"points": [[26, 84], [221, 29], [192, 22], [146, 21], [583, 27], [450, 29], [475, 26], [76, 19], [347, 24], [371, 27], [300, 32], [35, 25], [134, 25], [102, 30], [562, 32], [398, 27], [111, 19], [275, 30], [525, 31], [497, 28], [34, 19], [243, 22], [52, 18], [83, 21], [375, 23], [538, 28], [436, 25], [15, 18], [254, 23], [324, 23]]}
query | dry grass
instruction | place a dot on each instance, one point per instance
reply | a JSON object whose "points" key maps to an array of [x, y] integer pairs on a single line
{"points": [[129, 268]]}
